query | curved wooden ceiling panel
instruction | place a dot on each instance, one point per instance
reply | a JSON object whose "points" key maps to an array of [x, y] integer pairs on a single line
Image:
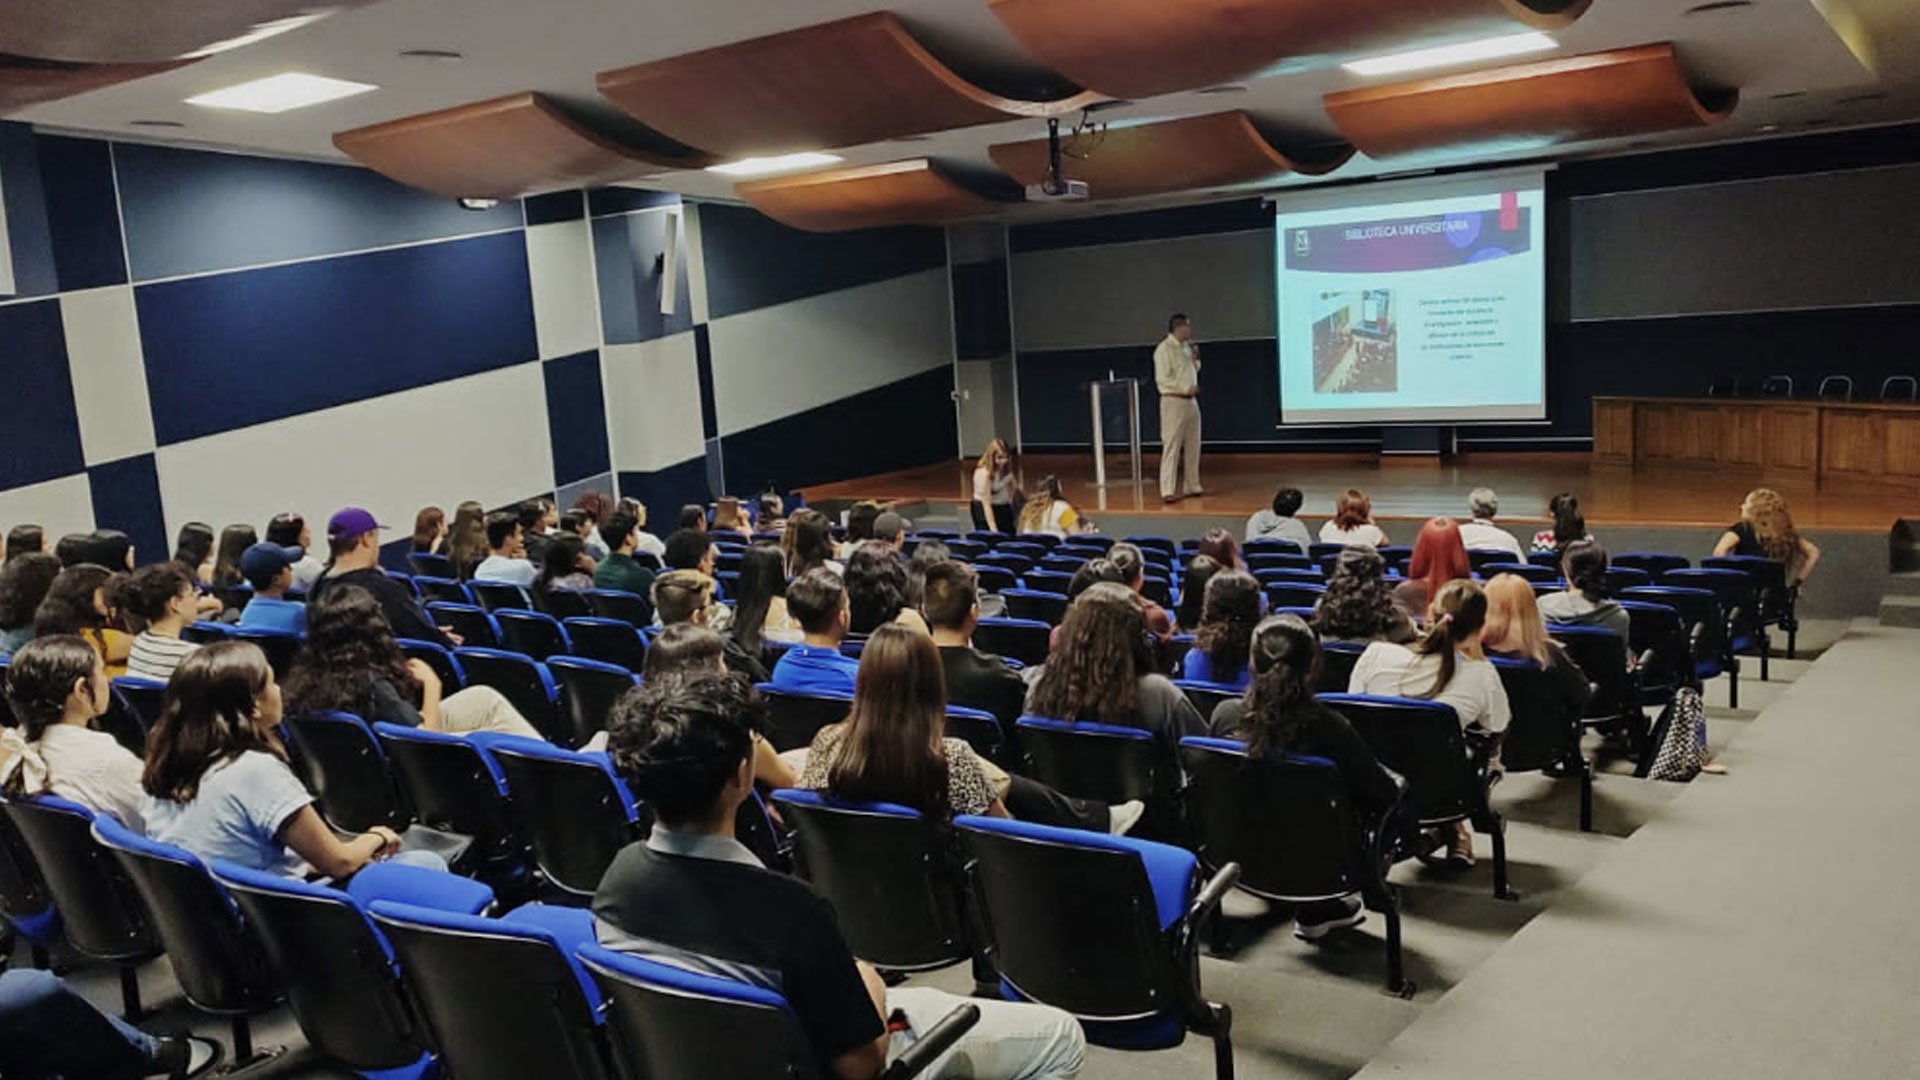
{"points": [[1142, 48], [844, 83], [1570, 99], [140, 31], [27, 82], [1175, 155], [500, 149], [912, 192]]}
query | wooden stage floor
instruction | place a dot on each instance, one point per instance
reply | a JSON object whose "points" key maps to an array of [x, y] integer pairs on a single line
{"points": [[1416, 488]]}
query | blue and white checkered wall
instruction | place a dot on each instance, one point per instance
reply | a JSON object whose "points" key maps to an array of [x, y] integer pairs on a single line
{"points": [[214, 337]]}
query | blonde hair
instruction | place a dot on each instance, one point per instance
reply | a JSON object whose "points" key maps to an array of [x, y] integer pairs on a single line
{"points": [[1773, 529], [1514, 625]]}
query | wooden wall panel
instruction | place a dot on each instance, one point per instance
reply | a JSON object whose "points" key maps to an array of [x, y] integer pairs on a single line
{"points": [[25, 83], [136, 31], [1566, 99], [1143, 48], [865, 196], [1855, 443], [1791, 437], [1174, 155], [844, 83], [1903, 446], [500, 149], [1785, 439], [1613, 423]]}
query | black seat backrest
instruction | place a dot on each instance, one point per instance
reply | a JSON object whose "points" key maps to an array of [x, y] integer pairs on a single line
{"points": [[1337, 661], [524, 682], [564, 603], [122, 720], [1206, 697], [472, 623], [981, 730], [1026, 640], [1422, 741], [588, 691], [1042, 606], [440, 659], [1285, 822], [611, 641], [500, 596], [431, 564], [99, 908], [891, 880], [279, 646], [1096, 761], [445, 590], [1602, 657], [145, 700], [1541, 733], [532, 633], [23, 892], [631, 608], [797, 718], [572, 811], [453, 787], [1700, 613], [661, 1031], [348, 772]]}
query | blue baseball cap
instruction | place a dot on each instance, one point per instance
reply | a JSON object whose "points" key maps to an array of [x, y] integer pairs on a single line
{"points": [[261, 563], [351, 521]]}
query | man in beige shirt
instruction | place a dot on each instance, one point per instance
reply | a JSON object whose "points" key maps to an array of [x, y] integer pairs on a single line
{"points": [[1176, 372]]}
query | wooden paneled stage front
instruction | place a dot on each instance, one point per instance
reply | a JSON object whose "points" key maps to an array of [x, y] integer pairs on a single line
{"points": [[1410, 489]]}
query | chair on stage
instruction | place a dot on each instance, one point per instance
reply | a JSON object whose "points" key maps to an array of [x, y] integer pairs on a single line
{"points": [[1899, 388], [1724, 386], [1835, 388], [1777, 386]]}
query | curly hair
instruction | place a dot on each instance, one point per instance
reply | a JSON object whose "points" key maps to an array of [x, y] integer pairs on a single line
{"points": [[1358, 603], [678, 741], [1094, 672], [876, 586], [1227, 618], [1285, 656], [23, 585], [350, 646], [1773, 529]]}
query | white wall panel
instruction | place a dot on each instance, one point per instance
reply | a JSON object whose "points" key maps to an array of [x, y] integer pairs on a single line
{"points": [[483, 437], [59, 506], [565, 315], [109, 374], [653, 403]]}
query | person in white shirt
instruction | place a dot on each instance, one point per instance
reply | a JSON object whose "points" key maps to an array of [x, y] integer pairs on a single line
{"points": [[1279, 523], [58, 685], [507, 560], [642, 539], [1176, 374], [1449, 666], [1352, 522], [1481, 534]]}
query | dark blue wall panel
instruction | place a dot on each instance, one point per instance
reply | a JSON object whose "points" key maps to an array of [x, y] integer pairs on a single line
{"points": [[231, 350], [576, 417], [620, 200], [39, 428], [77, 175], [555, 206], [664, 491], [897, 426], [627, 257], [703, 375], [1237, 216], [189, 211], [28, 236], [982, 325], [126, 496], [754, 262]]}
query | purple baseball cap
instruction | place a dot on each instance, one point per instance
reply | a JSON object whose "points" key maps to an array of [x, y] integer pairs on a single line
{"points": [[351, 522]]}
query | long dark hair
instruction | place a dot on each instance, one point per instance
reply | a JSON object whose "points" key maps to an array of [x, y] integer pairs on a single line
{"points": [[1219, 545], [1231, 608], [23, 584], [1584, 563], [69, 607], [876, 586], [350, 645], [763, 576], [234, 542], [193, 546], [1568, 524], [467, 539], [41, 677], [426, 527], [560, 559], [25, 539], [208, 719], [1286, 663], [1094, 672], [1193, 591], [1358, 603], [1459, 612], [808, 541], [894, 749]]}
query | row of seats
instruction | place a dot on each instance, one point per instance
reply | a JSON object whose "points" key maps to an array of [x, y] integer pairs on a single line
{"points": [[1894, 388]]}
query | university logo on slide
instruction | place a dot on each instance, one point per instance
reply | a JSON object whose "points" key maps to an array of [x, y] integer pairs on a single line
{"points": [[1302, 242]]}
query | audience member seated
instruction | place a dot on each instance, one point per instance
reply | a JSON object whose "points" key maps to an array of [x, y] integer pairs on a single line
{"points": [[582, 523], [760, 607], [1279, 522], [24, 583], [975, 679], [1091, 573], [353, 663], [467, 540], [26, 540], [538, 520], [1352, 522], [565, 567], [1584, 602], [1516, 630], [1279, 717], [728, 518], [1481, 534], [353, 539], [808, 543], [891, 528], [110, 548], [1439, 556], [620, 571], [1218, 544], [193, 550], [57, 686], [81, 603], [772, 514], [1047, 511], [684, 651], [926, 553], [693, 896], [163, 597], [1765, 529], [686, 596], [1103, 670], [876, 578], [860, 521], [996, 489], [643, 541], [598, 508], [234, 542], [1447, 665], [1358, 604], [1132, 566], [218, 783], [507, 559], [690, 549], [48, 1030], [692, 516], [269, 568], [1569, 526], [1193, 592], [1227, 618], [289, 530], [429, 532], [817, 599]]}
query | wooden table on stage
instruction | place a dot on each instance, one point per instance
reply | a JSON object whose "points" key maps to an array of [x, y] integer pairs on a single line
{"points": [[1817, 441]]}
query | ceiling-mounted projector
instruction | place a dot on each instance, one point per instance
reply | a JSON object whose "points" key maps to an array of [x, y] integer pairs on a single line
{"points": [[1056, 187]]}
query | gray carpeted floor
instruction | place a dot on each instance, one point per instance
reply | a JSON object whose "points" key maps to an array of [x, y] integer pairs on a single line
{"points": [[1322, 1011]]}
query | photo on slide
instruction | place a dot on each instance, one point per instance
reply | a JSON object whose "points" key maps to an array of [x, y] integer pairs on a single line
{"points": [[1356, 344]]}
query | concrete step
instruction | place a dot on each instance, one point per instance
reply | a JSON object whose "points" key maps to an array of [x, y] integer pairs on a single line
{"points": [[1903, 584], [1900, 611]]}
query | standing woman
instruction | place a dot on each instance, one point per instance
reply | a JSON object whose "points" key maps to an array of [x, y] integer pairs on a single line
{"points": [[467, 539], [1352, 522], [429, 531], [1766, 529], [996, 490], [193, 549]]}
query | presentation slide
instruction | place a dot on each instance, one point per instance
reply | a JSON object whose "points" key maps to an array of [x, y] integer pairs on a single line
{"points": [[1416, 302]]}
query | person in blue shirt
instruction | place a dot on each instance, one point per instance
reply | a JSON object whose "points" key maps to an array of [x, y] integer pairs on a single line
{"points": [[269, 569], [1229, 611], [817, 600]]}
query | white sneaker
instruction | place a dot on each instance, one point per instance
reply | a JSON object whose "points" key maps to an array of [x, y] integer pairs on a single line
{"points": [[1122, 817], [1355, 915]]}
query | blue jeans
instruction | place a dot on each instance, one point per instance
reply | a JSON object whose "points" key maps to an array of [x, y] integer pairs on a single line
{"points": [[48, 1031]]}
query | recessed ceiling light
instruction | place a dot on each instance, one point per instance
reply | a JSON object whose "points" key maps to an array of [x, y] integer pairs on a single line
{"points": [[260, 32], [156, 123], [279, 93], [1464, 52], [1718, 7], [432, 54], [762, 166]]}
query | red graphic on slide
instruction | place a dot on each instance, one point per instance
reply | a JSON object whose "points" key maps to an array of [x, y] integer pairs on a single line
{"points": [[1509, 211]]}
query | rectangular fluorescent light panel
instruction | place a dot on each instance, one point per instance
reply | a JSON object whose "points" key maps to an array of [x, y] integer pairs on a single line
{"points": [[762, 166], [279, 93], [1465, 52]]}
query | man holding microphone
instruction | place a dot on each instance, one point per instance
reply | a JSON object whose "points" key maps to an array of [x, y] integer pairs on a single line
{"points": [[1176, 372]]}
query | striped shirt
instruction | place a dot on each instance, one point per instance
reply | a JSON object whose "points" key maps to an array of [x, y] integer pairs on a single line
{"points": [[155, 657]]}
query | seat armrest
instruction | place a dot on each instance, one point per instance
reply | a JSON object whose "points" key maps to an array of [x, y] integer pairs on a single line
{"points": [[435, 889], [936, 1041], [1212, 893]]}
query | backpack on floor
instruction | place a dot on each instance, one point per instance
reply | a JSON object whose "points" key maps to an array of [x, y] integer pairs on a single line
{"points": [[1679, 739]]}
